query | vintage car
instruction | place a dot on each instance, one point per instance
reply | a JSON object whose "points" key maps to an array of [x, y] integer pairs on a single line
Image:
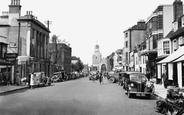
{"points": [[113, 76], [137, 84], [59, 76], [93, 75], [40, 79]]}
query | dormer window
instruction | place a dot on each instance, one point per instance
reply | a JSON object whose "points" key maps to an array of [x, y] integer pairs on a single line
{"points": [[175, 47]]}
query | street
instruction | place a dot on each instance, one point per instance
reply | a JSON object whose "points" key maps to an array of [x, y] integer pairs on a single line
{"points": [[75, 97]]}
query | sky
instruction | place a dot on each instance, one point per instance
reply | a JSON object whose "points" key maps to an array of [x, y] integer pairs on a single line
{"points": [[85, 23]]}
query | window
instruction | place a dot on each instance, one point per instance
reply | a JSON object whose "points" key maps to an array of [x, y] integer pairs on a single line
{"points": [[155, 38], [126, 56], [126, 44], [166, 47], [126, 35], [174, 45], [181, 40]]}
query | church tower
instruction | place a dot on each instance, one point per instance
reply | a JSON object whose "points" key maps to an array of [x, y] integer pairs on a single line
{"points": [[96, 58]]}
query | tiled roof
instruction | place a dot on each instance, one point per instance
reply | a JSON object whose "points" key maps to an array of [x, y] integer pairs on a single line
{"points": [[177, 33]]}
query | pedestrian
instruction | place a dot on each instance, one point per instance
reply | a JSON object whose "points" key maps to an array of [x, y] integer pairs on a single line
{"points": [[100, 77], [165, 79], [93, 77], [32, 81], [103, 78], [17, 78]]}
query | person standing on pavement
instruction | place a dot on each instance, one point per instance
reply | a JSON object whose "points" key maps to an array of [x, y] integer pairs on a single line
{"points": [[32, 81], [17, 78], [165, 79]]}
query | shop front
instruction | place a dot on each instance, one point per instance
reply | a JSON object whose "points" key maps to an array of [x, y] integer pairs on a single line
{"points": [[173, 64], [5, 72]]}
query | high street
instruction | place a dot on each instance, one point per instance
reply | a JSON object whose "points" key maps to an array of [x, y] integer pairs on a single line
{"points": [[77, 97]]}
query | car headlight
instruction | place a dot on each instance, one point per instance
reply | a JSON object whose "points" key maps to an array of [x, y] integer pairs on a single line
{"points": [[131, 84]]}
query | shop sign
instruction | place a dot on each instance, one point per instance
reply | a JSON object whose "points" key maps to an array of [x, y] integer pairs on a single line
{"points": [[11, 55]]}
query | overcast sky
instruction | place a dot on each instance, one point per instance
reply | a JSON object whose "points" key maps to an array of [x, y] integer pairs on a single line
{"points": [[83, 23]]}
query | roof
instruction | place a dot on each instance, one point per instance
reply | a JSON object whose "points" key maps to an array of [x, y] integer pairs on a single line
{"points": [[169, 34], [180, 59], [177, 33], [172, 57]]}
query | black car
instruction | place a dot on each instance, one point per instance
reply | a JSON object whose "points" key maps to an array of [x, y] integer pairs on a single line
{"points": [[137, 84]]}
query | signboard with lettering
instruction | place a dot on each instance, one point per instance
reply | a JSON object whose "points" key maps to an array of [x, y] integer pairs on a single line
{"points": [[11, 55]]}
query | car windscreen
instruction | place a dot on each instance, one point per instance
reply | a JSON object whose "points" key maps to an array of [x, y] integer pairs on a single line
{"points": [[138, 78]]}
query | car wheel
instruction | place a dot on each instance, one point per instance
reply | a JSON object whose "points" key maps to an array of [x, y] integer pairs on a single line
{"points": [[111, 80]]}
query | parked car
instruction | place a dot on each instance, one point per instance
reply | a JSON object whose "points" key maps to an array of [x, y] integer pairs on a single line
{"points": [[137, 84], [113, 76], [40, 79], [93, 75], [56, 77]]}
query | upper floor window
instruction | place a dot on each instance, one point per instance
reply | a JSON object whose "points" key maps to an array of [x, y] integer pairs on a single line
{"points": [[126, 44], [126, 56], [126, 35], [166, 47], [181, 40], [175, 47]]}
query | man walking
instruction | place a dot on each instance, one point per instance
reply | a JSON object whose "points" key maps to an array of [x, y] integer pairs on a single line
{"points": [[100, 77]]}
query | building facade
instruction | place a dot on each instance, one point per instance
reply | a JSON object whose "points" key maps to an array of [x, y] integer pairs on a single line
{"points": [[27, 37], [159, 26], [132, 38], [60, 57], [166, 45]]}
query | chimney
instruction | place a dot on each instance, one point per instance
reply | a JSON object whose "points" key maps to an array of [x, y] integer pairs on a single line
{"points": [[141, 24], [15, 7], [177, 9]]}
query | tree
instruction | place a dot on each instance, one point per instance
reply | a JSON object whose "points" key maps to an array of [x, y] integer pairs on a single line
{"points": [[77, 66], [55, 42]]}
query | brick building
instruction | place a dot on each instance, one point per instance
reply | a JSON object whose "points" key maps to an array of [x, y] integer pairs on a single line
{"points": [[60, 57]]}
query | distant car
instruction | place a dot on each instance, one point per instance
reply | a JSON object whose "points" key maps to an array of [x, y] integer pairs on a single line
{"points": [[137, 84], [93, 75]]}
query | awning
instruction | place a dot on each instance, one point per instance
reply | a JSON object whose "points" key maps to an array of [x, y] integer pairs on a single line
{"points": [[178, 53], [180, 59], [148, 52]]}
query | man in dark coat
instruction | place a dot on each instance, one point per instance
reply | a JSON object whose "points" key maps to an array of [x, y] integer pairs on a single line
{"points": [[100, 77], [165, 79]]}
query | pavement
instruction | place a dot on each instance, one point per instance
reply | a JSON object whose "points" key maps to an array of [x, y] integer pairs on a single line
{"points": [[160, 91], [11, 88]]}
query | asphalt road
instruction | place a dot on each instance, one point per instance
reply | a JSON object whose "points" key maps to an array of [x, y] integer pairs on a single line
{"points": [[76, 97]]}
